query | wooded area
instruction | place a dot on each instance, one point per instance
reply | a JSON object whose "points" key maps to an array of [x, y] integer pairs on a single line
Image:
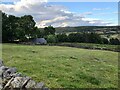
{"points": [[22, 29]]}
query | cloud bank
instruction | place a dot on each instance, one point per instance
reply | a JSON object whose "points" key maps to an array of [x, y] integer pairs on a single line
{"points": [[46, 14]]}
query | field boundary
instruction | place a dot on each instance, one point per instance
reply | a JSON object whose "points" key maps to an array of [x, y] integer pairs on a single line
{"points": [[91, 47]]}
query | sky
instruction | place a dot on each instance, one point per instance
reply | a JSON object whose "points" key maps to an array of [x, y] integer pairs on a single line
{"points": [[63, 14]]}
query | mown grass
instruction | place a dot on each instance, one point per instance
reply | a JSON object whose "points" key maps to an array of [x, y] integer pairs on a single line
{"points": [[64, 66]]}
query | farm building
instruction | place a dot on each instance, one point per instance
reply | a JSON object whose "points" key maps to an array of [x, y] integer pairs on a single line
{"points": [[39, 41]]}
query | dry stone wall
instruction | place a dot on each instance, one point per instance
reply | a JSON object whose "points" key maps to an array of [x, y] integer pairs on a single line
{"points": [[10, 79]]}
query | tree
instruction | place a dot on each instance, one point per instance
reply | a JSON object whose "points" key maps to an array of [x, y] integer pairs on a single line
{"points": [[8, 27], [85, 38], [51, 39], [72, 37], [18, 28], [105, 41], [62, 38], [49, 30], [40, 33], [26, 28], [13, 24], [95, 38], [76, 37], [4, 27]]}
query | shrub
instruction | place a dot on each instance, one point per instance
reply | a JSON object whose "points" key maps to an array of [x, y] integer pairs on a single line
{"points": [[51, 39]]}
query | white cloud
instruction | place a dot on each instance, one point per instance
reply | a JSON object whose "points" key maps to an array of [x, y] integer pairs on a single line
{"points": [[46, 14]]}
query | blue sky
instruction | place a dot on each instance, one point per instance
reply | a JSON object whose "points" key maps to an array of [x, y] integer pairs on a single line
{"points": [[101, 10], [65, 13]]}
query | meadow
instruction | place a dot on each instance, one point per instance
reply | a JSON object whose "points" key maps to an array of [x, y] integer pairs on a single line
{"points": [[64, 67], [90, 46]]}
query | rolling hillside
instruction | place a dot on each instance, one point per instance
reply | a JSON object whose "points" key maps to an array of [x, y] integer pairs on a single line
{"points": [[64, 66]]}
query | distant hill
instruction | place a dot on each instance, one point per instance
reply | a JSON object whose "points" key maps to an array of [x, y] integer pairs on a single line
{"points": [[85, 29]]}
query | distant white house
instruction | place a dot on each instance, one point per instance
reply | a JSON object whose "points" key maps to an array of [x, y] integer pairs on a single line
{"points": [[39, 41]]}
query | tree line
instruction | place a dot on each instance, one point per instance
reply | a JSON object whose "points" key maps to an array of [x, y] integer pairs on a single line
{"points": [[81, 38], [23, 29], [18, 28]]}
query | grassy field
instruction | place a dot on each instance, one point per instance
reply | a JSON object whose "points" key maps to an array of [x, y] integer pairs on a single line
{"points": [[64, 66], [90, 46]]}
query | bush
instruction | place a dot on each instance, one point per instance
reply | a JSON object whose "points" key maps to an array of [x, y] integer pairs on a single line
{"points": [[85, 38], [51, 39], [76, 37]]}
